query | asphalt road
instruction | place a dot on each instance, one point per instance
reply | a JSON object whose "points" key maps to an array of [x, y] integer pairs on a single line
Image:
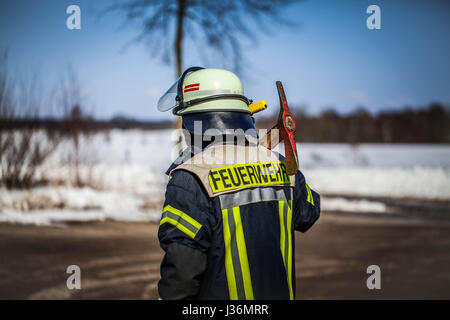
{"points": [[121, 260]]}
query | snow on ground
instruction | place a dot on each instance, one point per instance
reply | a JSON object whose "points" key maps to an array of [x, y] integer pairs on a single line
{"points": [[125, 171], [46, 205], [342, 204], [333, 155], [417, 182], [61, 217], [156, 148]]}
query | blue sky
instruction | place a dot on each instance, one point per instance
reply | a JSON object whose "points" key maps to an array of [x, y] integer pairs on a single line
{"points": [[329, 59]]}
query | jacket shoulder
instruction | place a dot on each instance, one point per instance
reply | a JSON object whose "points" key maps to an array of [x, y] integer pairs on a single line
{"points": [[187, 181]]}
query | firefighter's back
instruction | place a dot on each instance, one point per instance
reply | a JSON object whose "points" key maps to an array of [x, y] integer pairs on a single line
{"points": [[242, 215]]}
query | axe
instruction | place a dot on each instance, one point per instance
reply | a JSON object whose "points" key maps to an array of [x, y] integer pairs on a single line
{"points": [[285, 131]]}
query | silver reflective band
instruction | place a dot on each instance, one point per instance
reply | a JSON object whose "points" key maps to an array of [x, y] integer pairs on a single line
{"points": [[205, 93], [248, 196]]}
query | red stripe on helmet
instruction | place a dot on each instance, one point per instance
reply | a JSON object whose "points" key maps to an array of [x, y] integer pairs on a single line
{"points": [[192, 85], [191, 89]]}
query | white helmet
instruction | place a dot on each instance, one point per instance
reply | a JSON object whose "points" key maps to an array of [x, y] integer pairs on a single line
{"points": [[205, 90]]}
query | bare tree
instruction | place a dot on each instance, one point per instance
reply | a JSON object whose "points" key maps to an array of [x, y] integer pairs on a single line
{"points": [[215, 24], [23, 147], [219, 25], [78, 123]]}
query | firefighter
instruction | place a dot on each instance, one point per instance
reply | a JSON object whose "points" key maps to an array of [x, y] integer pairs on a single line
{"points": [[230, 210]]}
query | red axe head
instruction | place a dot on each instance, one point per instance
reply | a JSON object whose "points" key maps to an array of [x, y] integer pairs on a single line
{"points": [[285, 131], [286, 125]]}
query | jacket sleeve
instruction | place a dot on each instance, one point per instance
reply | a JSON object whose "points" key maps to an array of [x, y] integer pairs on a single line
{"points": [[306, 204], [185, 236]]}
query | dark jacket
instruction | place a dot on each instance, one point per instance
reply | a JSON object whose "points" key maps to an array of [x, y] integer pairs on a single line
{"points": [[239, 245]]}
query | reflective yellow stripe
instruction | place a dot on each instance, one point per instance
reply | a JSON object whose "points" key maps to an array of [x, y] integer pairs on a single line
{"points": [[310, 197], [228, 259], [159, 298], [289, 260], [285, 214], [242, 248], [182, 215], [236, 259], [282, 232], [178, 226], [180, 220]]}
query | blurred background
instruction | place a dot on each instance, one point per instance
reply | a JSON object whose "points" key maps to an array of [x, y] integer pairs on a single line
{"points": [[83, 149]]}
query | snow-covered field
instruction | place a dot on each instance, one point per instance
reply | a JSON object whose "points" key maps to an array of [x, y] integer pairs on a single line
{"points": [[124, 171]]}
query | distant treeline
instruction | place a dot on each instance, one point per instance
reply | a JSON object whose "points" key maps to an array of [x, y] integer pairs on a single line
{"points": [[429, 124], [86, 124]]}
